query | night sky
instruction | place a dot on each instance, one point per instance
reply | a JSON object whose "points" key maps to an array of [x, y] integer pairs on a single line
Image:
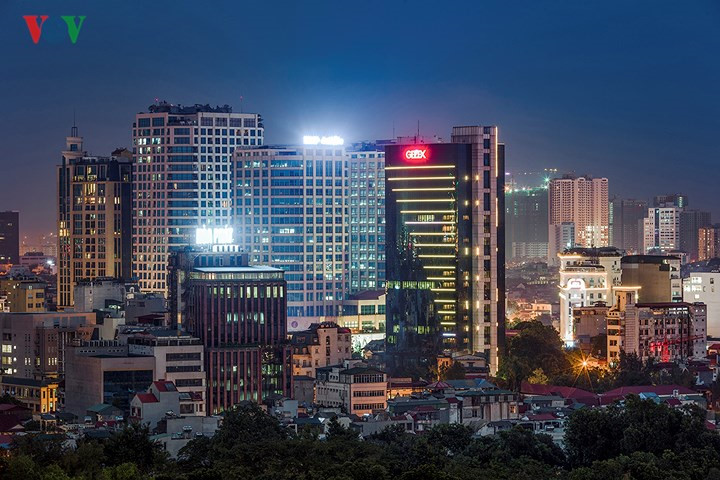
{"points": [[623, 89]]}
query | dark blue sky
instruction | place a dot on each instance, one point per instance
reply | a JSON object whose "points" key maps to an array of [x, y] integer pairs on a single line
{"points": [[623, 89]]}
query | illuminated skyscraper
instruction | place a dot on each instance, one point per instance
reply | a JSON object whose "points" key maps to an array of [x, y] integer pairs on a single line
{"points": [[94, 217], [182, 179], [444, 247], [583, 202], [292, 213]]}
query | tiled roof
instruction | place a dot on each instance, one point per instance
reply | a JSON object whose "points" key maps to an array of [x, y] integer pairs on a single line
{"points": [[165, 386], [147, 398]]}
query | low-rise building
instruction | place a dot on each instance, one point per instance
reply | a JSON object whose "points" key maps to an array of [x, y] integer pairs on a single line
{"points": [[704, 286], [33, 345], [673, 331], [105, 374], [25, 294], [322, 345], [179, 358], [353, 386], [40, 396], [162, 400]]}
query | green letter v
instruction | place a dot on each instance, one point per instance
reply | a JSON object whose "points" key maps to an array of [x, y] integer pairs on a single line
{"points": [[73, 29]]}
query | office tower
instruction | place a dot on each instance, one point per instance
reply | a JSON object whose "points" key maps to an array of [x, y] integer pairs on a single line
{"points": [[367, 217], [526, 215], [94, 217], [678, 200], [661, 230], [291, 212], [587, 276], [658, 277], [708, 242], [582, 202], [627, 224], [239, 312], [182, 179], [690, 223], [10, 237], [444, 248]]}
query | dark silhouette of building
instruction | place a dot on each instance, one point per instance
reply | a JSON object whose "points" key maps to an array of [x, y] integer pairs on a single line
{"points": [[10, 237]]}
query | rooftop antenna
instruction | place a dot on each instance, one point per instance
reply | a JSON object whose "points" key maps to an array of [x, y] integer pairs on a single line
{"points": [[417, 138], [241, 105], [74, 131]]}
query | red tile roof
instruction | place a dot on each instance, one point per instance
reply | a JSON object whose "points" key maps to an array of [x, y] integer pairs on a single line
{"points": [[147, 398], [165, 386], [542, 417], [582, 396], [659, 390]]}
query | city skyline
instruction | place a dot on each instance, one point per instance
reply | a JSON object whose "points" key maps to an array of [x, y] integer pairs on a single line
{"points": [[597, 95]]}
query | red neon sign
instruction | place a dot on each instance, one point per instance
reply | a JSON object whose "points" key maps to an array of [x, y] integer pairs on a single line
{"points": [[416, 155]]}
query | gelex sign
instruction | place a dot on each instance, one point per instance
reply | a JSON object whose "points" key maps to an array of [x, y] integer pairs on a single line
{"points": [[35, 25], [416, 155]]}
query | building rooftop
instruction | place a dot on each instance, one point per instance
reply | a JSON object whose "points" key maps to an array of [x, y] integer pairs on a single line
{"points": [[27, 382], [593, 252], [368, 295], [656, 259], [178, 109], [246, 269]]}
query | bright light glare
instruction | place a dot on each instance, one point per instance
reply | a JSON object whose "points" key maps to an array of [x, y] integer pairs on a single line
{"points": [[215, 236], [316, 140]]}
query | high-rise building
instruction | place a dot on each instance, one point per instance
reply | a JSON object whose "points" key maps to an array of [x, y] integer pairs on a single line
{"points": [[678, 200], [366, 168], [182, 179], [292, 212], [526, 216], [691, 221], [444, 247], [708, 242], [627, 224], [588, 276], [661, 230], [9, 237], [239, 312], [582, 202], [94, 217]]}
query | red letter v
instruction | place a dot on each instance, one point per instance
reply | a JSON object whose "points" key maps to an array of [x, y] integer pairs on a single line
{"points": [[35, 29]]}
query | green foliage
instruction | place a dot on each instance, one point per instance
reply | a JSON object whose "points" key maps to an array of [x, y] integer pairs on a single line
{"points": [[637, 426], [643, 440], [535, 346], [455, 371]]}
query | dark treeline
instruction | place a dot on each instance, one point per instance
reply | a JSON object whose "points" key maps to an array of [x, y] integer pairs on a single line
{"points": [[638, 440]]}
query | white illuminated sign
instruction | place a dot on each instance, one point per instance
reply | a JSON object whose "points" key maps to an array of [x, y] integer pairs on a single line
{"points": [[315, 140], [416, 154], [214, 236]]}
